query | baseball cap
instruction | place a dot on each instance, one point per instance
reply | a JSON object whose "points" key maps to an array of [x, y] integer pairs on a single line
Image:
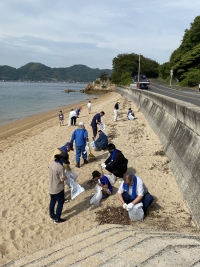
{"points": [[70, 145], [95, 174]]}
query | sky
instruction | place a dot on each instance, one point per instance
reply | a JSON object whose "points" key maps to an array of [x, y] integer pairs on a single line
{"points": [[62, 33]]}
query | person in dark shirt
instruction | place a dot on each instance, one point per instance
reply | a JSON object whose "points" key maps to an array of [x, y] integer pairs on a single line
{"points": [[95, 121], [101, 142], [116, 163], [78, 111], [104, 183], [61, 118]]}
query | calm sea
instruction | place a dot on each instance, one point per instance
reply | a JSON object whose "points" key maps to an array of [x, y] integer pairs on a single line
{"points": [[19, 100]]}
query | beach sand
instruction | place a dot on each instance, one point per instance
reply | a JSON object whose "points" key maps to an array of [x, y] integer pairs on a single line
{"points": [[25, 149]]}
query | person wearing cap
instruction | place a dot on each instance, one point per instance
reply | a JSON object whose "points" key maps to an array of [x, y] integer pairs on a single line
{"points": [[64, 149], [101, 142], [78, 111], [104, 183], [95, 121], [61, 118], [80, 136], [116, 108], [56, 187], [132, 191], [116, 163]]}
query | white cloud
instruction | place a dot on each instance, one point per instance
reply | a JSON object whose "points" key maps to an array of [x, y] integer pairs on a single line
{"points": [[63, 33]]}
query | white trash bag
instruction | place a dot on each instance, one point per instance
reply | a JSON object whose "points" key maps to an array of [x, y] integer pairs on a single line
{"points": [[76, 189], [131, 117], [97, 197], [111, 178], [92, 144], [69, 121], [102, 127], [70, 175], [86, 148], [136, 213]]}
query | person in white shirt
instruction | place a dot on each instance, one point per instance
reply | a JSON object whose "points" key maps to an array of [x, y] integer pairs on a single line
{"points": [[132, 191], [89, 105], [73, 117]]}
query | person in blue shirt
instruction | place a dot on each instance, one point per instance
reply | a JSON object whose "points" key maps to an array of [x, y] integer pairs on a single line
{"points": [[104, 183], [101, 142], [95, 121], [78, 111], [80, 136]]}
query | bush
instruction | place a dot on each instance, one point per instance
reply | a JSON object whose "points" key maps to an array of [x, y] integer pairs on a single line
{"points": [[191, 78]]}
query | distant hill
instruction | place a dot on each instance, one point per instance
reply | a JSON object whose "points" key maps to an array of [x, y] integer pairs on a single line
{"points": [[40, 72]]}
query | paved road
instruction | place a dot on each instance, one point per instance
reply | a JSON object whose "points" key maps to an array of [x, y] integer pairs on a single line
{"points": [[190, 96]]}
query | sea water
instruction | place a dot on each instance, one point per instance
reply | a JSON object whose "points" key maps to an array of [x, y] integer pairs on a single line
{"points": [[19, 100]]}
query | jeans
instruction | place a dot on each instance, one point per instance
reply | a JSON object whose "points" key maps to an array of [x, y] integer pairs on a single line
{"points": [[94, 129], [60, 197], [73, 120], [147, 200], [80, 150]]}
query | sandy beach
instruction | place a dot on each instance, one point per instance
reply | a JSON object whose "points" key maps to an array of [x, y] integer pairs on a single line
{"points": [[25, 149]]}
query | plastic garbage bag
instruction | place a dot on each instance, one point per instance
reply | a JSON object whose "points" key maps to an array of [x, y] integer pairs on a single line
{"points": [[71, 175], [136, 213], [131, 117], [97, 197], [111, 178], [69, 121], [92, 144], [102, 127], [76, 189]]}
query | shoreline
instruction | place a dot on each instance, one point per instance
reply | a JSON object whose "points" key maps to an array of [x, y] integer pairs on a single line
{"points": [[16, 127], [24, 219]]}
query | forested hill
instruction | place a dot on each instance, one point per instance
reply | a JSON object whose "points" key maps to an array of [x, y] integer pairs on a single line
{"points": [[40, 72], [185, 60]]}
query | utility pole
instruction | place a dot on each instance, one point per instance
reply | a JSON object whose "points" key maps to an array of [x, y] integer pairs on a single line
{"points": [[171, 74], [139, 71]]}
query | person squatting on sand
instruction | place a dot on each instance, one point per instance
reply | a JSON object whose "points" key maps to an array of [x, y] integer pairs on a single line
{"points": [[80, 136], [95, 121], [116, 163], [73, 117], [132, 191], [61, 118], [130, 112], [89, 106], [56, 188], [104, 183], [65, 156], [101, 142], [116, 108]]}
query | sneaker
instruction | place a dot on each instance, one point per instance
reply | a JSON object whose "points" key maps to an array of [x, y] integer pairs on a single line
{"points": [[52, 218], [60, 221], [66, 200], [85, 161]]}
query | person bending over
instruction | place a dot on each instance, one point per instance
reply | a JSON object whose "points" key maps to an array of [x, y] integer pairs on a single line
{"points": [[95, 121], [104, 183], [116, 163], [132, 191]]}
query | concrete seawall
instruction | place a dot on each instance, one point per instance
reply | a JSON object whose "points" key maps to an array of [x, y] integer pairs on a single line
{"points": [[177, 125]]}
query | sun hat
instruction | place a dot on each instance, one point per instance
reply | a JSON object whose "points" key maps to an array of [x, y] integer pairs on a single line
{"points": [[81, 123]]}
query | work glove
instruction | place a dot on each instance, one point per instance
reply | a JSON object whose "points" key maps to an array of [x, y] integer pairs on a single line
{"points": [[125, 206], [103, 165], [130, 206]]}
